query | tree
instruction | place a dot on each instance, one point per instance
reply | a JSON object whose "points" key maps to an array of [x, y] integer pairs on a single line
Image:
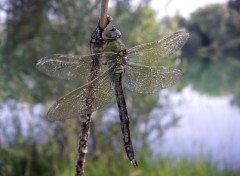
{"points": [[33, 31], [214, 32], [65, 27]]}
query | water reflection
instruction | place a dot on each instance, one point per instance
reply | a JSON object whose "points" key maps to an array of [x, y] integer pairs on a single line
{"points": [[209, 127]]}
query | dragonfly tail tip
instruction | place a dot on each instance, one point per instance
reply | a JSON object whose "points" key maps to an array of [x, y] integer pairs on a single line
{"points": [[134, 163]]}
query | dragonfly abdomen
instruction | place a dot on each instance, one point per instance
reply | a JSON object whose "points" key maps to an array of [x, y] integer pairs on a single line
{"points": [[123, 114]]}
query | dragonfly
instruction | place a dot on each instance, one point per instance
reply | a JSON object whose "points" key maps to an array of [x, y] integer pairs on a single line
{"points": [[145, 68]]}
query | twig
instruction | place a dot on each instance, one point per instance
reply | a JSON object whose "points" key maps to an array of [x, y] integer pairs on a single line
{"points": [[95, 47], [103, 15]]}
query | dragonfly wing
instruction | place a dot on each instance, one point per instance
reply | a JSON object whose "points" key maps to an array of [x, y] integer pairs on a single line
{"points": [[72, 67], [76, 103], [144, 79], [158, 53]]}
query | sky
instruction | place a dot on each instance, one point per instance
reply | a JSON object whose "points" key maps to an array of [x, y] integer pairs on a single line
{"points": [[184, 7]]}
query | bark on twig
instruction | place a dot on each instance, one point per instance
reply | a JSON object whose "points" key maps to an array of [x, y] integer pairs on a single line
{"points": [[103, 15], [85, 119]]}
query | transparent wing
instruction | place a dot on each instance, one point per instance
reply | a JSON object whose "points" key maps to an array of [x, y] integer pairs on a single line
{"points": [[72, 67], [99, 91], [144, 79], [158, 53]]}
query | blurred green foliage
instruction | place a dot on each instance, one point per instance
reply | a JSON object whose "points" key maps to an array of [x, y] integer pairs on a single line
{"points": [[55, 156], [213, 51], [65, 27], [47, 161], [37, 28]]}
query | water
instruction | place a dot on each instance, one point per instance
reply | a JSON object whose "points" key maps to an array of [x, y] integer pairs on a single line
{"points": [[209, 127], [29, 118]]}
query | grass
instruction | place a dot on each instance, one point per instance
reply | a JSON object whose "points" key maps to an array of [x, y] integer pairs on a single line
{"points": [[162, 167], [51, 164]]}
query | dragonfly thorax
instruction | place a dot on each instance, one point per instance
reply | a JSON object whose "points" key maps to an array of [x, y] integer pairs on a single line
{"points": [[120, 58]]}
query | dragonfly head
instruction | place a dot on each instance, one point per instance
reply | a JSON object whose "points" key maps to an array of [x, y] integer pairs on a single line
{"points": [[111, 33]]}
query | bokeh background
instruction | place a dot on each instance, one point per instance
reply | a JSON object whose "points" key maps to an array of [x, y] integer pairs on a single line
{"points": [[189, 129]]}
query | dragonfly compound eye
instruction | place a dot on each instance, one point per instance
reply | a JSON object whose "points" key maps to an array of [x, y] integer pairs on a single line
{"points": [[111, 34]]}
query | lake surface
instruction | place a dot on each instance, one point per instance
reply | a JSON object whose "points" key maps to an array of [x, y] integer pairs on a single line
{"points": [[210, 127]]}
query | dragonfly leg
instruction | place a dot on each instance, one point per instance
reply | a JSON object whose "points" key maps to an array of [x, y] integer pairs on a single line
{"points": [[123, 114]]}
